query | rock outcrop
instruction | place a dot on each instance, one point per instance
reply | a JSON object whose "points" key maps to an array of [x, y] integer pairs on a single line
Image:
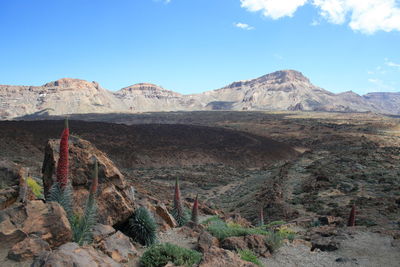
{"points": [[47, 221], [70, 254], [115, 201]]}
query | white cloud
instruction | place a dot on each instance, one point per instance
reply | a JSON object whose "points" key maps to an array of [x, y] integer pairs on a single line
{"points": [[273, 8], [366, 16], [243, 26], [392, 64]]}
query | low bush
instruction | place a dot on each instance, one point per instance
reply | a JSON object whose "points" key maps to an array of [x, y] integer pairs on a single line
{"points": [[160, 254], [222, 230], [248, 255], [274, 241]]}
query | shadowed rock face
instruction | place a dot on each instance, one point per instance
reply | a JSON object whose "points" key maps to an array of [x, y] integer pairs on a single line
{"points": [[115, 203], [280, 90]]}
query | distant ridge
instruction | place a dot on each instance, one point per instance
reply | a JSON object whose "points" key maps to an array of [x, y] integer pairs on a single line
{"points": [[280, 90]]}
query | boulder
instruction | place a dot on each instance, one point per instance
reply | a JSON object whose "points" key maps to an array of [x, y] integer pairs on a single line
{"points": [[218, 257], [102, 231], [48, 221], [115, 199], [72, 255], [256, 243], [12, 177], [162, 211], [205, 241], [118, 247], [28, 249]]}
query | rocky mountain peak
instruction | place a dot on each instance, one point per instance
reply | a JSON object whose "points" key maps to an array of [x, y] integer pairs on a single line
{"points": [[72, 83], [284, 76]]}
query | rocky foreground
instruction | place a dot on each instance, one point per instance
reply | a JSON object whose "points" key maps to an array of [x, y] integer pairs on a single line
{"points": [[326, 164]]}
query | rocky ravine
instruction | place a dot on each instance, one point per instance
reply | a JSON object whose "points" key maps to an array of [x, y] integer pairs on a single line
{"points": [[281, 90]]}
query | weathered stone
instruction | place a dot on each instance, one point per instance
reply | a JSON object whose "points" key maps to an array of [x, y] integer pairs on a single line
{"points": [[162, 211], [102, 231], [206, 241], [28, 249], [218, 257], [325, 244], [115, 203], [328, 220], [8, 196], [48, 221], [71, 255], [118, 247], [234, 243], [256, 243], [9, 233]]}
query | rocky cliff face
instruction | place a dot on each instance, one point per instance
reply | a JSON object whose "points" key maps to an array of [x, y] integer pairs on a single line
{"points": [[64, 96], [280, 90], [150, 97]]}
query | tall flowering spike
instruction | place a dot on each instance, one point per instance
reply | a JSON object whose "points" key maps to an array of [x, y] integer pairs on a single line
{"points": [[352, 217], [178, 212], [261, 216], [95, 180], [195, 211], [177, 197], [62, 165]]}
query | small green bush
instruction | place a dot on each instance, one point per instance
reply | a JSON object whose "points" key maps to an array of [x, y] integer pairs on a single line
{"points": [[36, 188], [274, 241], [222, 230], [210, 220], [248, 255], [159, 255], [142, 227]]}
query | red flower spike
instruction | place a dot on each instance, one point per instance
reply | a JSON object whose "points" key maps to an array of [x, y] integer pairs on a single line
{"points": [[195, 211], [352, 217], [62, 165]]}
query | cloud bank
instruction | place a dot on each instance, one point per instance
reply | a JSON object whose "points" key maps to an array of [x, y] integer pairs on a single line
{"points": [[366, 16]]}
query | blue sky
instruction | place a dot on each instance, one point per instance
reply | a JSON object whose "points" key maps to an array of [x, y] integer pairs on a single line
{"points": [[191, 46]]}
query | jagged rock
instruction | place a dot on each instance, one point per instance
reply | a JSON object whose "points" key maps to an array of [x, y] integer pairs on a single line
{"points": [[118, 247], [114, 202], [162, 211], [46, 220], [102, 231], [71, 255], [8, 196], [28, 248], [205, 241], [328, 220], [218, 257], [256, 243], [12, 178], [9, 233], [325, 244], [237, 219]]}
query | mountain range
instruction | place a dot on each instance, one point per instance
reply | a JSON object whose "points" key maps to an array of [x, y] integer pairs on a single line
{"points": [[280, 90]]}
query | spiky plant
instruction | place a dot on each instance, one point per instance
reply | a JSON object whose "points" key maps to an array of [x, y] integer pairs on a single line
{"points": [[352, 217], [195, 211], [82, 226], [142, 227], [61, 190], [178, 211]]}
